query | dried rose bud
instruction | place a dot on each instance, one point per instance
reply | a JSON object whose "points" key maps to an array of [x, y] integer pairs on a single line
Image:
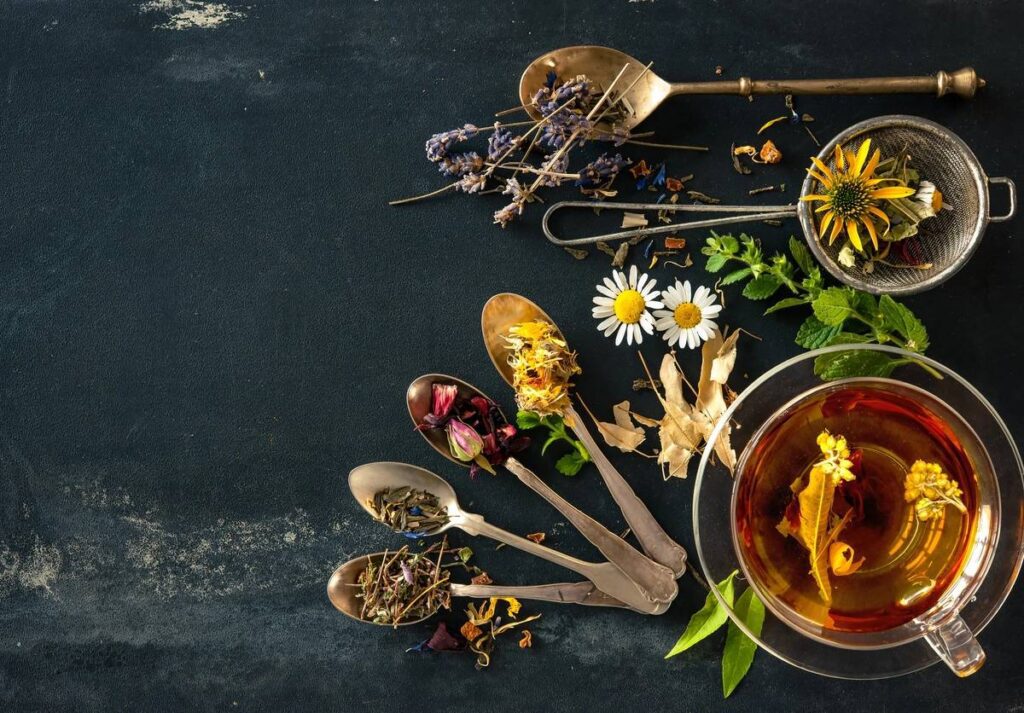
{"points": [[465, 443]]}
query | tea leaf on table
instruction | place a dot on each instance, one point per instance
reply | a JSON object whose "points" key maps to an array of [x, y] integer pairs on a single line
{"points": [[740, 648], [814, 333], [903, 321], [801, 255], [860, 362], [785, 303], [708, 619], [762, 287], [833, 306], [623, 434]]}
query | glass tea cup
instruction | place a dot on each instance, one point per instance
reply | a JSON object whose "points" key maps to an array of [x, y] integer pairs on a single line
{"points": [[946, 631]]}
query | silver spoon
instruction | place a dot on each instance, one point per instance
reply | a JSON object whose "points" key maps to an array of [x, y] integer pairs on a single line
{"points": [[655, 580], [367, 480], [344, 585], [602, 64], [500, 313]]}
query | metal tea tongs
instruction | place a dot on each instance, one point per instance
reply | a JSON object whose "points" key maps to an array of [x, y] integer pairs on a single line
{"points": [[743, 214]]}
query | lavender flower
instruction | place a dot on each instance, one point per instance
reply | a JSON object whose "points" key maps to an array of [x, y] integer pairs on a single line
{"points": [[561, 126], [460, 164], [561, 165], [471, 183], [507, 214], [501, 143], [439, 145], [520, 193], [602, 171], [618, 135]]}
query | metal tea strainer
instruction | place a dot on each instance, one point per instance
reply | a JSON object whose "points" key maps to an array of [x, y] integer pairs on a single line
{"points": [[947, 241]]}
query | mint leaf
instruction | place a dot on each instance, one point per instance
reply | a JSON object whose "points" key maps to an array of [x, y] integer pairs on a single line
{"points": [[465, 554], [740, 648], [762, 287], [859, 362], [834, 305], [570, 463], [716, 262], [786, 303], [814, 333], [709, 619], [729, 244], [899, 318], [527, 420], [849, 338], [737, 276], [553, 438], [801, 255]]}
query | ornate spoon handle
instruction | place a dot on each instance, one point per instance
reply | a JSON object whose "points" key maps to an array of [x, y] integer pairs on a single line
{"points": [[568, 593], [655, 580], [607, 577], [653, 539]]}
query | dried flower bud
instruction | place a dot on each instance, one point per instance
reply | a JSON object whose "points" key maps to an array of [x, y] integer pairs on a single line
{"points": [[465, 443], [442, 398]]}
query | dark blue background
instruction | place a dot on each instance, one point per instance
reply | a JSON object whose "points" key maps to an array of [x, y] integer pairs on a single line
{"points": [[208, 315]]}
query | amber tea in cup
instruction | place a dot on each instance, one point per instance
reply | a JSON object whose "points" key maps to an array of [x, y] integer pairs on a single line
{"points": [[886, 555]]}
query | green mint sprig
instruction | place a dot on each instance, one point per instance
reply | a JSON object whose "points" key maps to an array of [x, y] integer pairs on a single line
{"points": [[571, 462], [841, 315], [739, 650]]}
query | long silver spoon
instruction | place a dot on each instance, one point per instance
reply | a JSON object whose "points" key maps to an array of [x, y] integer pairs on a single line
{"points": [[367, 480], [500, 313], [602, 64], [343, 587], [655, 580]]}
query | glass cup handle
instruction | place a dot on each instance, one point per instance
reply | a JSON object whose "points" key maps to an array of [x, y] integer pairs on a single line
{"points": [[956, 646]]}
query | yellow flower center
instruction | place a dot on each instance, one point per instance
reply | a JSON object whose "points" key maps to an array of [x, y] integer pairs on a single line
{"points": [[629, 306], [687, 315]]}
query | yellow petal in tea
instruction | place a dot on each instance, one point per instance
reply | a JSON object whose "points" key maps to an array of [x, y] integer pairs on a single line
{"points": [[840, 559]]}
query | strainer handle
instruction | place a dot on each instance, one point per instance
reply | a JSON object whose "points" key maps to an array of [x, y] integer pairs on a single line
{"points": [[1011, 189]]}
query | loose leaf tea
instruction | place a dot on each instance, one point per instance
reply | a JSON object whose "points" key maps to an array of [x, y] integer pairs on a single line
{"points": [[405, 585], [412, 512]]}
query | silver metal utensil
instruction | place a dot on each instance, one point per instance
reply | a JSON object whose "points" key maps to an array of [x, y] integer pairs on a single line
{"points": [[498, 315], [367, 480], [655, 580], [947, 241]]}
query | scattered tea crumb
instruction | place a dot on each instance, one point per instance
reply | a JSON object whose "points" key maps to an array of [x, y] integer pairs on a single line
{"points": [[646, 384], [634, 220], [577, 253], [527, 639], [736, 164], [620, 255], [605, 248], [703, 198], [772, 221], [718, 70], [762, 189], [673, 242], [482, 578], [537, 537]]}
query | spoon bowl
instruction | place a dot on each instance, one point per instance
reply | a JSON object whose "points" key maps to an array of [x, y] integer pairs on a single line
{"points": [[344, 584], [500, 313], [365, 481], [601, 65]]}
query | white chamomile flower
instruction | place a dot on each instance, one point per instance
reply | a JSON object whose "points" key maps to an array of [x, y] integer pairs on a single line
{"points": [[687, 319], [624, 305]]}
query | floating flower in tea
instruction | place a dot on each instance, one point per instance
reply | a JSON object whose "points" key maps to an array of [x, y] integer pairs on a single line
{"points": [[930, 489]]}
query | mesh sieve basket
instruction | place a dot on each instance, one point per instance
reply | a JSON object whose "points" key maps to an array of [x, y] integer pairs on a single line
{"points": [[946, 241]]}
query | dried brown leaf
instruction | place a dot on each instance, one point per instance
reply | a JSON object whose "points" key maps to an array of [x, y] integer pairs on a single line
{"points": [[623, 434]]}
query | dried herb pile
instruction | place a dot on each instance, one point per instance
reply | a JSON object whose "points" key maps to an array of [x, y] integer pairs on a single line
{"points": [[406, 585], [414, 513]]}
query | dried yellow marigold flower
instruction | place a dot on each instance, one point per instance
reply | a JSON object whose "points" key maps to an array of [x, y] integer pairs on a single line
{"points": [[542, 365]]}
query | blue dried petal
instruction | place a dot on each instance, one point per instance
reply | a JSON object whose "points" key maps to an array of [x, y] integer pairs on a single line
{"points": [[415, 510], [659, 178], [551, 79], [647, 249]]}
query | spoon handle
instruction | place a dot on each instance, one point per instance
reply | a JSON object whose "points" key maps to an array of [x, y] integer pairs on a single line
{"points": [[963, 82], [653, 539], [605, 576], [568, 593], [655, 580]]}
